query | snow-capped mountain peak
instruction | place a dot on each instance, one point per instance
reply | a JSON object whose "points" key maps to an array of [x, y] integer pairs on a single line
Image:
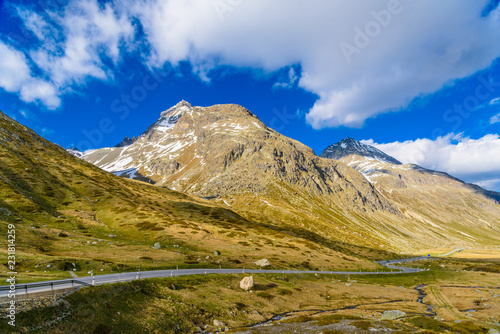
{"points": [[349, 146], [171, 116], [178, 109], [76, 152]]}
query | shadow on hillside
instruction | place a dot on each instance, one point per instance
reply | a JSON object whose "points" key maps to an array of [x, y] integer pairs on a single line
{"points": [[487, 193], [133, 174]]}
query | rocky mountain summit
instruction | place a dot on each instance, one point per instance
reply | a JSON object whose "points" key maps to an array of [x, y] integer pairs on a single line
{"points": [[349, 146], [126, 142]]}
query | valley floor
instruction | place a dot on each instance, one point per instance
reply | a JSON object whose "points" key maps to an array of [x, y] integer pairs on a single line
{"points": [[454, 296]]}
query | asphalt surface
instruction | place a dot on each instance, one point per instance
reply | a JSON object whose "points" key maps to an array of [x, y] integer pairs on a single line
{"points": [[130, 276]]}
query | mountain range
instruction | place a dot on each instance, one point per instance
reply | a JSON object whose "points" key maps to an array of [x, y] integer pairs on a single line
{"points": [[351, 193], [69, 214]]}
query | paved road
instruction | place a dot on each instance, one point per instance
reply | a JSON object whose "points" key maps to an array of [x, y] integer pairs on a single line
{"points": [[125, 277], [389, 263], [453, 251]]}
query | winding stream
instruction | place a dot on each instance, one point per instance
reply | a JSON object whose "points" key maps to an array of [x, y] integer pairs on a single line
{"points": [[421, 296]]}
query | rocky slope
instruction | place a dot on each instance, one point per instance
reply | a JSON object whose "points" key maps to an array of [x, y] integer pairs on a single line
{"points": [[225, 153]]}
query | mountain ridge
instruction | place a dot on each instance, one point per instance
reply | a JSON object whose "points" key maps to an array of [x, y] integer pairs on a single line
{"points": [[364, 151]]}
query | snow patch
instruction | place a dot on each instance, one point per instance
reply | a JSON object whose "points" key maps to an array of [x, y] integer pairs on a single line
{"points": [[130, 173], [266, 202], [168, 122]]}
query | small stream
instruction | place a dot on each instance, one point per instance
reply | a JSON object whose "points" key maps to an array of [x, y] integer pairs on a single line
{"points": [[311, 312], [419, 288], [286, 314], [421, 296]]}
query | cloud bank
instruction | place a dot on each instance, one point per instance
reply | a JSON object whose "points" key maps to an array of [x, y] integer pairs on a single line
{"points": [[472, 160], [361, 58]]}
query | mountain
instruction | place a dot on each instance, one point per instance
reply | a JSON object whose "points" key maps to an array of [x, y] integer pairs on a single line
{"points": [[223, 150], [226, 154], [74, 151], [350, 146], [126, 141], [434, 198], [70, 214]]}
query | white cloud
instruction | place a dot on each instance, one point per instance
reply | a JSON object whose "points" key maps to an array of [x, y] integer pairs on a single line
{"points": [[13, 67], [43, 91], [493, 184], [287, 81], [495, 101], [422, 47], [495, 119], [473, 160], [74, 42], [16, 78], [35, 23], [90, 32], [415, 50], [24, 113]]}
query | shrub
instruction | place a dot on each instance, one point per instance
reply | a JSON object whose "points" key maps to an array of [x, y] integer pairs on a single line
{"points": [[284, 292], [265, 295]]}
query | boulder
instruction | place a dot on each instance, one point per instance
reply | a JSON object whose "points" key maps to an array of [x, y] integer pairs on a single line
{"points": [[157, 246], [247, 283], [218, 323], [393, 315], [262, 263]]}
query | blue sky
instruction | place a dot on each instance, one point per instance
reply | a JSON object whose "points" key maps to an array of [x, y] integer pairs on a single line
{"points": [[419, 80]]}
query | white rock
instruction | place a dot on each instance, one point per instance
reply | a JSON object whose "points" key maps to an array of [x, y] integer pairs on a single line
{"points": [[218, 323], [262, 263], [247, 283]]}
